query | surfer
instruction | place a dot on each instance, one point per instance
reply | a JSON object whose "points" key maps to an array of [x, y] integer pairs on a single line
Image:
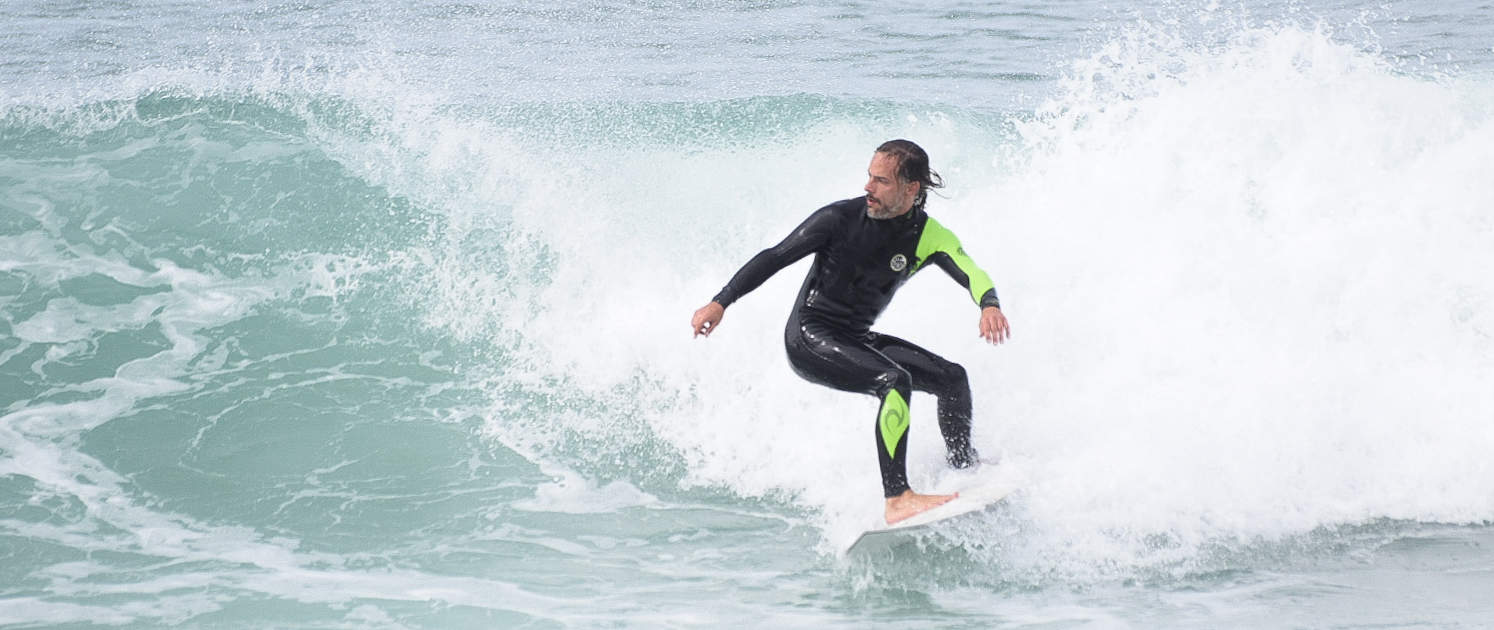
{"points": [[865, 248]]}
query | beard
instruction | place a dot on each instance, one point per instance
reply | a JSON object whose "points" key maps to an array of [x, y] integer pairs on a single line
{"points": [[880, 210]]}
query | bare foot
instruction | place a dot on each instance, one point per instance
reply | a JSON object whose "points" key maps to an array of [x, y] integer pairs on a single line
{"points": [[909, 503]]}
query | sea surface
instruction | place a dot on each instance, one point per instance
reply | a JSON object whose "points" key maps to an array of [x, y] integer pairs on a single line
{"points": [[374, 314]]}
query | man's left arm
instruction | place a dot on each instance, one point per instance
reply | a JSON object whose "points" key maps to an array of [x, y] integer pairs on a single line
{"points": [[940, 246]]}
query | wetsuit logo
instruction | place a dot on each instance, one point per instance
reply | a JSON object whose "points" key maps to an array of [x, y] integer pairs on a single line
{"points": [[893, 423], [899, 262]]}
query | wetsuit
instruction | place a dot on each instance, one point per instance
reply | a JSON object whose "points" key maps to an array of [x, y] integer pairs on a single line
{"points": [[859, 263]]}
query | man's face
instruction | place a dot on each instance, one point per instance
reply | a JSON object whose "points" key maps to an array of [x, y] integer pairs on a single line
{"points": [[886, 196]]}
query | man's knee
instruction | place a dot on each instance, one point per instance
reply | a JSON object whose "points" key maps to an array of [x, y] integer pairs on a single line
{"points": [[894, 377], [956, 375], [952, 381]]}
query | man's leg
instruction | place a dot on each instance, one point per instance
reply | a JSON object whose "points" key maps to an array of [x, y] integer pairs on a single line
{"points": [[828, 357], [945, 379], [892, 442]]}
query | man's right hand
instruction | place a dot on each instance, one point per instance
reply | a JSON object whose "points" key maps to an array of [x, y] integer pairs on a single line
{"points": [[707, 318]]}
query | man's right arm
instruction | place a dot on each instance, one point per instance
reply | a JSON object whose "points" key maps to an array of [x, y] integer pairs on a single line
{"points": [[809, 237]]}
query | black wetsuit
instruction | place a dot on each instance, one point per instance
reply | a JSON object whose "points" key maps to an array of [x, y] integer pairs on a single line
{"points": [[859, 263]]}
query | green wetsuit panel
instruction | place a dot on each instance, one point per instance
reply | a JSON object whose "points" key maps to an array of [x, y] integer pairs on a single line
{"points": [[942, 247]]}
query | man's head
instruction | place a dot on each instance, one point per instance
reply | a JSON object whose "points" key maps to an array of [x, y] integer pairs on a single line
{"points": [[898, 179]]}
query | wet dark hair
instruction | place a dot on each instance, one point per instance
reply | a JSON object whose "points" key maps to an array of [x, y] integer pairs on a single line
{"points": [[913, 166]]}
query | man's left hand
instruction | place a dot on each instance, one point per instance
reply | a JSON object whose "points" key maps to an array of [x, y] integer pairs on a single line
{"points": [[993, 325]]}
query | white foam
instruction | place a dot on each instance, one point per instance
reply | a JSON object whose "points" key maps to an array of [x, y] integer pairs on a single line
{"points": [[1249, 295], [1246, 280], [572, 493]]}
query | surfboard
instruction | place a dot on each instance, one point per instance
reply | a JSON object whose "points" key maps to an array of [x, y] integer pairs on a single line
{"points": [[977, 493]]}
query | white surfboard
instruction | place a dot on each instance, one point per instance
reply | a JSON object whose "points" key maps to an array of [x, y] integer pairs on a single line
{"points": [[977, 493]]}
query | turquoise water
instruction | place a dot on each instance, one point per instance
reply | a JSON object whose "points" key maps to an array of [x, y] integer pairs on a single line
{"points": [[374, 315]]}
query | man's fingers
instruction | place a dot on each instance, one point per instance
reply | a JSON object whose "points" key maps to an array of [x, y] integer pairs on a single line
{"points": [[703, 325], [995, 330], [706, 319]]}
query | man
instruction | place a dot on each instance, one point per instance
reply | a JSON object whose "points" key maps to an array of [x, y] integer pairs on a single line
{"points": [[865, 248]]}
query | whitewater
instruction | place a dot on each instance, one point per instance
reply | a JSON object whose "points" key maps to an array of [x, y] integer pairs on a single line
{"points": [[345, 315]]}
